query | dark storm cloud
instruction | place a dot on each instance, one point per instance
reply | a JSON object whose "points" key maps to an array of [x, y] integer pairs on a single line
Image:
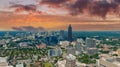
{"points": [[102, 8], [55, 2], [117, 1], [78, 6], [99, 8], [28, 28], [93, 7]]}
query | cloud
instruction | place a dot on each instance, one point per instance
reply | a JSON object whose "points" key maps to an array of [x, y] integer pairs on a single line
{"points": [[56, 22], [53, 2], [26, 8], [100, 8], [93, 27], [78, 6], [28, 28], [117, 1]]}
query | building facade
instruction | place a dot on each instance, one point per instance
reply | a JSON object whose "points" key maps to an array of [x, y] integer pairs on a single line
{"points": [[70, 33], [70, 61]]}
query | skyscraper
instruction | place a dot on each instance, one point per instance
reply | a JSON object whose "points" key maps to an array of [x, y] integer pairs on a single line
{"points": [[70, 33]]}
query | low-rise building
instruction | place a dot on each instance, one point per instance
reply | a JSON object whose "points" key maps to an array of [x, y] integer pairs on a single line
{"points": [[20, 65]]}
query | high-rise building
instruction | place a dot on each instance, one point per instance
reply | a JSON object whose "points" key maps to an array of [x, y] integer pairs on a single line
{"points": [[62, 35], [70, 61], [91, 43], [70, 33], [79, 47]]}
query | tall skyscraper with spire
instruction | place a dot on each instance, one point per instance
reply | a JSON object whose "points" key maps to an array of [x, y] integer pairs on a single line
{"points": [[70, 33]]}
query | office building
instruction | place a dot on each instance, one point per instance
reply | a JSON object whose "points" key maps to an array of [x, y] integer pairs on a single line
{"points": [[92, 51], [70, 33], [78, 47], [91, 43], [62, 35], [54, 52]]}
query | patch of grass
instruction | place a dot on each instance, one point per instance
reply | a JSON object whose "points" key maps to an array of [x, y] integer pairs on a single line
{"points": [[48, 64]]}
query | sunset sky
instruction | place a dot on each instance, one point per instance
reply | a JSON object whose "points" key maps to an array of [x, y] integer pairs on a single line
{"points": [[58, 14]]}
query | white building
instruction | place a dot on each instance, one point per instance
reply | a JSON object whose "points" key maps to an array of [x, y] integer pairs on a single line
{"points": [[3, 62], [61, 63], [64, 43], [3, 59], [19, 65], [80, 40]]}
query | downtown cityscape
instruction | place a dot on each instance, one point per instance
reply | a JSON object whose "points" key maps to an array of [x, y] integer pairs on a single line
{"points": [[59, 33], [59, 49]]}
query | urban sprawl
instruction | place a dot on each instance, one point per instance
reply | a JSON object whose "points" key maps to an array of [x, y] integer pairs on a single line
{"points": [[58, 49]]}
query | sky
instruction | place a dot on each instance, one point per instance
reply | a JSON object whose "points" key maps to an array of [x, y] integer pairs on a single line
{"points": [[83, 15]]}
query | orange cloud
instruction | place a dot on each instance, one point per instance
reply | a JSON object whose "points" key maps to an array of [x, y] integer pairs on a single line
{"points": [[53, 22]]}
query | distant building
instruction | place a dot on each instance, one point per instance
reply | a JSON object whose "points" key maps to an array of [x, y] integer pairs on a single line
{"points": [[64, 43], [70, 61], [62, 35], [70, 50], [70, 33], [118, 52], [51, 40], [78, 47], [115, 39], [3, 62], [73, 44], [54, 52], [80, 40], [7, 34], [41, 46], [106, 48], [91, 43], [7, 66], [110, 62], [61, 63], [92, 51], [2, 42], [31, 37], [23, 44], [19, 65], [3, 59]]}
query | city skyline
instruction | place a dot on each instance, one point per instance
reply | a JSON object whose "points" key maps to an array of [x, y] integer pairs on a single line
{"points": [[58, 14]]}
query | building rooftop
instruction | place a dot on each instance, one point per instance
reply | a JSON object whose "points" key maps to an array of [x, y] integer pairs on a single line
{"points": [[3, 59], [71, 57], [19, 65]]}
